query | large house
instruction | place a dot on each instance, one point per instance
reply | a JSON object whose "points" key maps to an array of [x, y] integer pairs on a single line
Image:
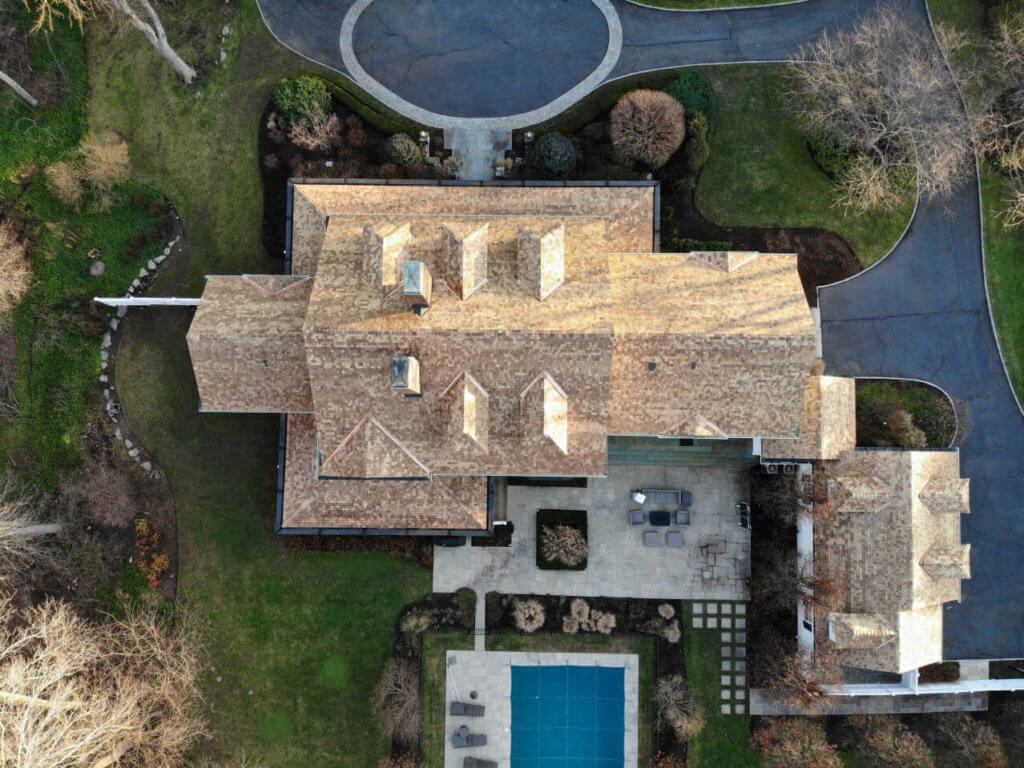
{"points": [[433, 339]]}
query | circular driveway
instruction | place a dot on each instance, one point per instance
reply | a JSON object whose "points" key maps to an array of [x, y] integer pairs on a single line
{"points": [[485, 61]]}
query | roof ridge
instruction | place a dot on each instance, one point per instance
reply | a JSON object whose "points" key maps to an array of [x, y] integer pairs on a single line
{"points": [[362, 425], [292, 280]]}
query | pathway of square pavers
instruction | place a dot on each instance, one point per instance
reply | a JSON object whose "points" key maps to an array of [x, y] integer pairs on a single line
{"points": [[729, 620]]}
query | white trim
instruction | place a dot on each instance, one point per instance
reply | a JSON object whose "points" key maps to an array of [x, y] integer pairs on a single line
{"points": [[506, 123], [641, 4], [140, 301]]}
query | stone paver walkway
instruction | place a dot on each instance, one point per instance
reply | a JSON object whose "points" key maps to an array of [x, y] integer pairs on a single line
{"points": [[477, 151], [729, 622], [713, 562]]}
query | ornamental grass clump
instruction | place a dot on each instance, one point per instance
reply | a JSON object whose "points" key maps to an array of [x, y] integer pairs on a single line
{"points": [[528, 615], [396, 701], [647, 127], [675, 710], [563, 544]]}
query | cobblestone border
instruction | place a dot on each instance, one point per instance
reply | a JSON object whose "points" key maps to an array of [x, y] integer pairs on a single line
{"points": [[507, 123], [107, 378]]}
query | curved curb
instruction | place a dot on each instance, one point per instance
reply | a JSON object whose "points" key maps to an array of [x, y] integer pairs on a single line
{"points": [[640, 4], [509, 122]]}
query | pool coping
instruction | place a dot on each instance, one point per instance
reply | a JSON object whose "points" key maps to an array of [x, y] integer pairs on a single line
{"points": [[491, 671]]}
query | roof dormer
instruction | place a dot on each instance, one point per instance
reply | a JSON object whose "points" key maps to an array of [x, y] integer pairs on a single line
{"points": [[464, 256], [540, 259], [385, 249], [545, 411]]}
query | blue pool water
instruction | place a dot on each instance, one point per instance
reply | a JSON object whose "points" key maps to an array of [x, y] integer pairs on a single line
{"points": [[568, 717]]}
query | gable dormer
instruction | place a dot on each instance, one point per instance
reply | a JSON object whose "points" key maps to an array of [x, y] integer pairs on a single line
{"points": [[467, 409], [540, 259], [385, 249], [545, 411], [946, 496], [464, 256]]}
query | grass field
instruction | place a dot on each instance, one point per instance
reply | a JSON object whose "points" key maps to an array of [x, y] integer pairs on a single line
{"points": [[760, 173], [724, 740]]}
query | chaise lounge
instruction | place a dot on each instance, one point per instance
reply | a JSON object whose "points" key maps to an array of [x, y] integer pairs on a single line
{"points": [[469, 740], [460, 709], [476, 762]]}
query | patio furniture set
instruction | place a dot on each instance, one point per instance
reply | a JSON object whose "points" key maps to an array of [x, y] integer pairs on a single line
{"points": [[462, 738], [678, 498]]}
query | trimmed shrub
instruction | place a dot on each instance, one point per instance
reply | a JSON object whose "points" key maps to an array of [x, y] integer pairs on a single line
{"points": [[694, 92], [696, 151], [528, 615], [832, 156], [294, 99], [400, 149], [563, 544], [554, 154], [647, 127]]}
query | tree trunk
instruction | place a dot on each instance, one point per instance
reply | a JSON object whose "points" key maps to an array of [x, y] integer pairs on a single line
{"points": [[154, 32], [31, 701], [4, 77], [44, 529]]}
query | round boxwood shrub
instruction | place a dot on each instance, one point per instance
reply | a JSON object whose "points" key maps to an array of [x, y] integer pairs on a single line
{"points": [[554, 154], [832, 156], [694, 92], [401, 150], [296, 98], [647, 127]]}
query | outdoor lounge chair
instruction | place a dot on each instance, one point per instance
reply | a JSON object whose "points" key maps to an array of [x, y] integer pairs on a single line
{"points": [[461, 709], [652, 539], [674, 539], [683, 517], [476, 762], [636, 516], [470, 740]]}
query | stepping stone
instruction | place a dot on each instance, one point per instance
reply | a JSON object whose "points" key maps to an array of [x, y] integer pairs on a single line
{"points": [[741, 608], [726, 651], [698, 607], [739, 694], [712, 622], [741, 680], [712, 607], [740, 709], [727, 637], [726, 607], [740, 666], [725, 622], [726, 709], [698, 622], [726, 694], [741, 623], [726, 680], [741, 652], [741, 637], [726, 666]]}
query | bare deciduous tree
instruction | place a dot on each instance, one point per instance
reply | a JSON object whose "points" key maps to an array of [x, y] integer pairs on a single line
{"points": [[883, 88], [317, 131], [397, 701], [888, 743], [73, 692], [804, 683], [21, 530], [136, 13], [977, 742], [795, 742]]}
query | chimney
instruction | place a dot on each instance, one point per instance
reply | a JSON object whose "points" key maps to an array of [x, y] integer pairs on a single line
{"points": [[464, 254], [385, 248], [541, 259], [405, 374], [416, 286]]}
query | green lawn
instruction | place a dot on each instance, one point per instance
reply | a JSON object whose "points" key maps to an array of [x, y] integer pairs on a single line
{"points": [[724, 740], [760, 173], [432, 684]]}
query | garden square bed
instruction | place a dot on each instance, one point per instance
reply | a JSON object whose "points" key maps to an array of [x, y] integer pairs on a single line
{"points": [[564, 547]]}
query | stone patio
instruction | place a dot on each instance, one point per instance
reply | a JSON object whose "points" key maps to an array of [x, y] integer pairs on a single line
{"points": [[489, 674], [712, 564]]}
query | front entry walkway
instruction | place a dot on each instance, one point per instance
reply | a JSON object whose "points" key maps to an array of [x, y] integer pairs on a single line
{"points": [[713, 562]]}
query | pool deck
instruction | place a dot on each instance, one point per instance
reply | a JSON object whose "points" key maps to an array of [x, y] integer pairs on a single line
{"points": [[490, 674]]}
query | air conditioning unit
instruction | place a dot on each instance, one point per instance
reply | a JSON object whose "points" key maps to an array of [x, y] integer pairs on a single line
{"points": [[789, 469], [771, 469]]}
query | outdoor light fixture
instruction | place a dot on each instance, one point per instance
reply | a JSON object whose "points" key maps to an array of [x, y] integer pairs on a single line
{"points": [[529, 136]]}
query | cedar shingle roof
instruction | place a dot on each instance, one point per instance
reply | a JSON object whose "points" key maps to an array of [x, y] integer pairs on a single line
{"points": [[899, 560], [828, 424], [535, 346]]}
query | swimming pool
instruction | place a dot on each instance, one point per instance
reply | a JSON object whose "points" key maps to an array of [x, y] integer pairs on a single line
{"points": [[568, 716]]}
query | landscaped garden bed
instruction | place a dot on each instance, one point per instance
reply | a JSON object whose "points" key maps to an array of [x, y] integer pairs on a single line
{"points": [[562, 539], [907, 414]]}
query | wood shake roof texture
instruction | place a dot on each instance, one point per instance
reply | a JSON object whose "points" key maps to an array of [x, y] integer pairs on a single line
{"points": [[898, 558], [536, 344], [828, 425]]}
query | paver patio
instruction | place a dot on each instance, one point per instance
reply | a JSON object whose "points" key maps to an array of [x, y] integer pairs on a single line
{"points": [[713, 562]]}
